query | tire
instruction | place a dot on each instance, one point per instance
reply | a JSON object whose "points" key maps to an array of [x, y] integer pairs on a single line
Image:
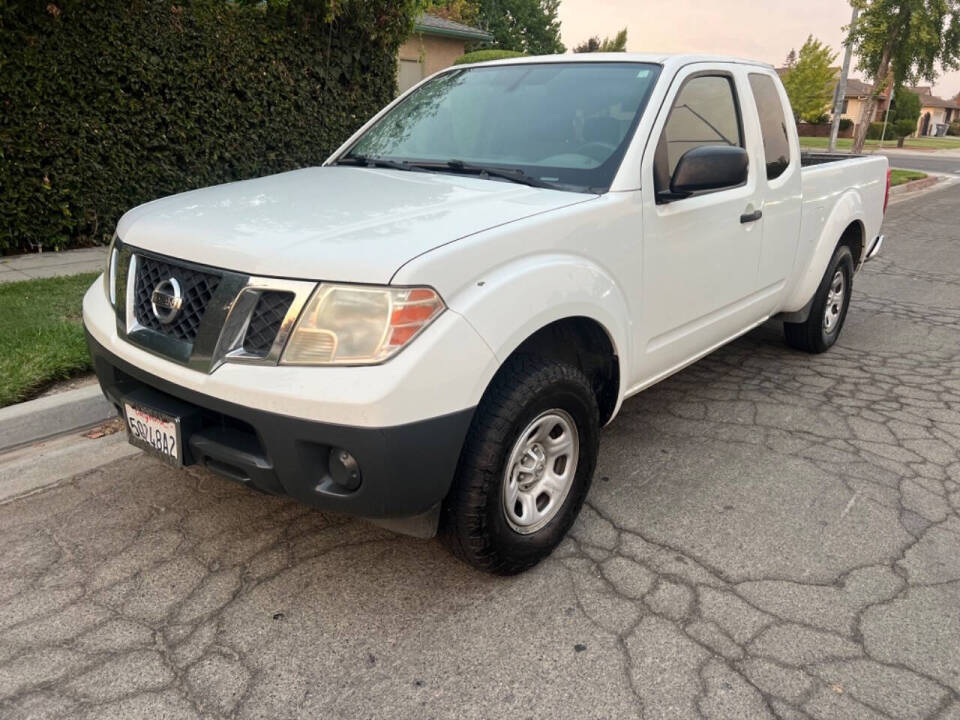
{"points": [[819, 332], [558, 402]]}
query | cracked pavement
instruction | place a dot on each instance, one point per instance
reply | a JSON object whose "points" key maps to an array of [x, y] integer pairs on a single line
{"points": [[769, 534]]}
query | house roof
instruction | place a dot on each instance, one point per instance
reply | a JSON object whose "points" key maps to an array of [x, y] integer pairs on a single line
{"points": [[858, 88], [937, 102], [433, 25]]}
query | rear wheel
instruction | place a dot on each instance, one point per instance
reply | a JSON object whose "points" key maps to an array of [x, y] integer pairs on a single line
{"points": [[526, 466], [829, 310]]}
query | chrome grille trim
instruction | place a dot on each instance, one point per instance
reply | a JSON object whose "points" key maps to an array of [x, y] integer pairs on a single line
{"points": [[266, 321], [219, 337]]}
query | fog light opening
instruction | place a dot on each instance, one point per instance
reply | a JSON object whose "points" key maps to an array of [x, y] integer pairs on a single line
{"points": [[344, 469]]}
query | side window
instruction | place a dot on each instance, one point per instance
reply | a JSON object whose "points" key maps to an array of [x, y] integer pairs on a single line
{"points": [[773, 124], [704, 112]]}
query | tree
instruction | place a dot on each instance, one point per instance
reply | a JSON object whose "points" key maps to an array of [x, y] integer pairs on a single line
{"points": [[462, 11], [903, 115], [809, 83], [617, 44], [791, 59], [527, 26], [906, 39]]}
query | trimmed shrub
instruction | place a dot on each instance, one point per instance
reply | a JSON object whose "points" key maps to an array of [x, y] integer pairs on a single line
{"points": [[485, 55], [954, 129], [876, 130], [844, 124], [902, 128], [109, 103]]}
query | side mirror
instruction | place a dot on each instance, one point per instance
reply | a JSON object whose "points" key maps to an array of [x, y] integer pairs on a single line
{"points": [[709, 167]]}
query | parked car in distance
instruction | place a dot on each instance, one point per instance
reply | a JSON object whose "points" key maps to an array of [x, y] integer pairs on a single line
{"points": [[430, 329]]}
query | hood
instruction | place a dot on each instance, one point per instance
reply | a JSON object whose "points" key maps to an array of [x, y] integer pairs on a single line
{"points": [[330, 223]]}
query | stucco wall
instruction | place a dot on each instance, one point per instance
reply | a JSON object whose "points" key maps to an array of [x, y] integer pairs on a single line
{"points": [[937, 115], [432, 51], [854, 108]]}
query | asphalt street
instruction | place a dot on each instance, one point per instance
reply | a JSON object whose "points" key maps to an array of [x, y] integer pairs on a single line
{"points": [[928, 162], [770, 534]]}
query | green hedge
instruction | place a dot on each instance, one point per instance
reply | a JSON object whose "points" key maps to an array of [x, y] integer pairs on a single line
{"points": [[485, 55], [901, 128], [110, 103], [875, 130]]}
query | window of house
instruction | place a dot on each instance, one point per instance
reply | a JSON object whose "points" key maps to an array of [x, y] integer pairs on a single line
{"points": [[704, 112], [773, 124]]}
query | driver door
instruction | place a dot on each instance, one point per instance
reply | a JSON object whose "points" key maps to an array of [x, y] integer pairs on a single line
{"points": [[700, 253]]}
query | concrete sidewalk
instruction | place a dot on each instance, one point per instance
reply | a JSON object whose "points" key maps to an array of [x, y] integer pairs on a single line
{"points": [[51, 264]]}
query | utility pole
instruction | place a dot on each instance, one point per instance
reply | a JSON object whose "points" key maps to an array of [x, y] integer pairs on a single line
{"points": [[841, 89]]}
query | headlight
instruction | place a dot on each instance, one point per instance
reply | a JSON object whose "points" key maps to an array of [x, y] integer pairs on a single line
{"points": [[359, 325], [110, 272]]}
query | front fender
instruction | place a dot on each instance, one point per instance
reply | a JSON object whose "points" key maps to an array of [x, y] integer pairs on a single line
{"points": [[512, 302], [819, 249]]}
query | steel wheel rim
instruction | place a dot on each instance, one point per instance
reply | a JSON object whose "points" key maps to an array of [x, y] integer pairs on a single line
{"points": [[540, 471], [835, 297]]}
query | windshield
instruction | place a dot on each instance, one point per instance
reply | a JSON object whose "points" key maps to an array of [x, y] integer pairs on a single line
{"points": [[564, 125]]}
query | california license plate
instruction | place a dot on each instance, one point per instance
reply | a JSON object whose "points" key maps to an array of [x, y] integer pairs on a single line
{"points": [[155, 432]]}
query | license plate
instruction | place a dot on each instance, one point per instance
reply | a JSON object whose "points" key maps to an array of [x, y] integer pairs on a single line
{"points": [[155, 432]]}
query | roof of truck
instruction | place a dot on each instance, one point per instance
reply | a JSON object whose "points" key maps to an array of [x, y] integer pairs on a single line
{"points": [[671, 59]]}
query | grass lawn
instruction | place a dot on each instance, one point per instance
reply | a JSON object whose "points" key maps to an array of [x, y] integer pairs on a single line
{"points": [[41, 338], [899, 177], [925, 143]]}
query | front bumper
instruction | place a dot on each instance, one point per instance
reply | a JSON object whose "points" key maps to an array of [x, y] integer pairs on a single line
{"points": [[405, 470]]}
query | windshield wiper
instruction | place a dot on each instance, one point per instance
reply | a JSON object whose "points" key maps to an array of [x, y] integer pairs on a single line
{"points": [[375, 162], [513, 174]]}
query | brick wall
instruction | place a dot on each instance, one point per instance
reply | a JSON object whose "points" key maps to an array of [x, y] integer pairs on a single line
{"points": [[821, 130], [433, 52]]}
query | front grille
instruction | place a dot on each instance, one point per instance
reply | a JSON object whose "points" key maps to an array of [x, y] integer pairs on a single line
{"points": [[197, 288], [265, 322]]}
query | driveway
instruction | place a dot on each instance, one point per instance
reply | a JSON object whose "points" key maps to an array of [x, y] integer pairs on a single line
{"points": [[769, 535]]}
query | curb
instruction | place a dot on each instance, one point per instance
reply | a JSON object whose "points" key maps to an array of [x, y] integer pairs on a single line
{"points": [[915, 185], [35, 420]]}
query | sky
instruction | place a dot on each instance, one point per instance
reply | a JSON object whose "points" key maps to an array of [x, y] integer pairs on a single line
{"points": [[756, 29]]}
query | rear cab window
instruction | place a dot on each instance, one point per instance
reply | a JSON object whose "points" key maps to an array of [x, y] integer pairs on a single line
{"points": [[773, 124]]}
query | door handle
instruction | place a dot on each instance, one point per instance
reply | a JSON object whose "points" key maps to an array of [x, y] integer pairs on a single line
{"points": [[751, 217]]}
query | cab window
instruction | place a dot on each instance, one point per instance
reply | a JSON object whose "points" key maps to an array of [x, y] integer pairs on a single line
{"points": [[704, 112], [773, 124]]}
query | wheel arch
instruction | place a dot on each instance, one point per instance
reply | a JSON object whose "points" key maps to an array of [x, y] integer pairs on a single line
{"points": [[844, 226], [853, 237], [560, 306], [587, 345]]}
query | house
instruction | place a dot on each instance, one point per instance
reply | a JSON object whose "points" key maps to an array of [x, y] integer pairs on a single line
{"points": [[936, 114], [855, 97], [435, 43]]}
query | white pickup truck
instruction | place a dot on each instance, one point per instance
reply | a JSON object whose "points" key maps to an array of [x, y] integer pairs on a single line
{"points": [[430, 329]]}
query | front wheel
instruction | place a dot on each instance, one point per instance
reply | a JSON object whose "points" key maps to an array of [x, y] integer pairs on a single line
{"points": [[829, 310], [526, 466]]}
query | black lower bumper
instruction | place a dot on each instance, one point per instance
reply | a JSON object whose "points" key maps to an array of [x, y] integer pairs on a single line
{"points": [[404, 470]]}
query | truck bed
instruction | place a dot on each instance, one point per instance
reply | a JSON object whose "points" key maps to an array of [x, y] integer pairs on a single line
{"points": [[826, 179], [808, 159]]}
